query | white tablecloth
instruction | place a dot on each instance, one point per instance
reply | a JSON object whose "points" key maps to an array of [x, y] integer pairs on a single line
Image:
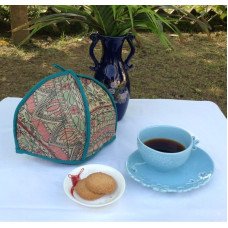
{"points": [[31, 189]]}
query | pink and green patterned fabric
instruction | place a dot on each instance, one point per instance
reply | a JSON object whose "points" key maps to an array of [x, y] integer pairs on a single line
{"points": [[102, 112], [54, 122]]}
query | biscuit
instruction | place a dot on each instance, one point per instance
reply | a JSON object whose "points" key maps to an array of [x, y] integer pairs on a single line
{"points": [[100, 183], [84, 192]]}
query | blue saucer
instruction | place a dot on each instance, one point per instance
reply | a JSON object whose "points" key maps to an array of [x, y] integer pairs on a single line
{"points": [[196, 172]]}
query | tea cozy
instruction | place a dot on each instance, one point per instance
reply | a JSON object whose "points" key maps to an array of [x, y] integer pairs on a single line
{"points": [[66, 118]]}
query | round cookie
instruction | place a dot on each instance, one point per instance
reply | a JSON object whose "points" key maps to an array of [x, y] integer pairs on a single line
{"points": [[100, 183], [84, 192]]}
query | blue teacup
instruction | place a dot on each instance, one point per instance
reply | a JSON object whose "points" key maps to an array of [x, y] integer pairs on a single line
{"points": [[164, 161]]}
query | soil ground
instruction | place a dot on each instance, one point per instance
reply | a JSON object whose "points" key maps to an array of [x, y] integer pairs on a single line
{"points": [[195, 70]]}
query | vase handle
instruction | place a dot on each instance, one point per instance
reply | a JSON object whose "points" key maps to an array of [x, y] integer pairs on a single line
{"points": [[95, 37], [129, 39]]}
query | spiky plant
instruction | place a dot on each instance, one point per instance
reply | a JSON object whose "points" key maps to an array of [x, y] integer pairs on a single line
{"points": [[109, 20]]}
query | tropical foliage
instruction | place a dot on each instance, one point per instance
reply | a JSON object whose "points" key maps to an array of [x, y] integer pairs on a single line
{"points": [[117, 20], [108, 20]]}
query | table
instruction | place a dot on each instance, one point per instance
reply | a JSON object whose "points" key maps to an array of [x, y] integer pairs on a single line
{"points": [[31, 189]]}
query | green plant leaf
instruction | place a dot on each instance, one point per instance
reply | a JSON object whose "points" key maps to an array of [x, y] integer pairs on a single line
{"points": [[130, 10], [118, 20]]}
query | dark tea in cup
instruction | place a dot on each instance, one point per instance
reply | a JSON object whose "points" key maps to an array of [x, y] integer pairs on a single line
{"points": [[165, 145]]}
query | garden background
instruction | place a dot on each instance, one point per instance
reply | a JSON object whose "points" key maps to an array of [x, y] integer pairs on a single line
{"points": [[195, 68]]}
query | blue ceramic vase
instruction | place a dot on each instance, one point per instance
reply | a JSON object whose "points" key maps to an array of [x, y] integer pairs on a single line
{"points": [[112, 70]]}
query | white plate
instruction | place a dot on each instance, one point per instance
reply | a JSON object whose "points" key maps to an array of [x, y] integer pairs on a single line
{"points": [[92, 168]]}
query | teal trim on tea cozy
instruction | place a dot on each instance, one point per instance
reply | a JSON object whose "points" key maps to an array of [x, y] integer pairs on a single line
{"points": [[96, 81], [25, 98], [68, 162], [87, 115], [106, 90]]}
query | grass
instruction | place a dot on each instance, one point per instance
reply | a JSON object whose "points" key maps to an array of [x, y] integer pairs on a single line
{"points": [[195, 70]]}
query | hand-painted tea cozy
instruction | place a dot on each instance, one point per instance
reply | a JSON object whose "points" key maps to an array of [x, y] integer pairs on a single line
{"points": [[66, 118]]}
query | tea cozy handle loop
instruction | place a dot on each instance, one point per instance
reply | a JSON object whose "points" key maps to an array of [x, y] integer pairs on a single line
{"points": [[59, 67]]}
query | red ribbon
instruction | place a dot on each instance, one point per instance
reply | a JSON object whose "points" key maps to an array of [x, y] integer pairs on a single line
{"points": [[74, 180]]}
